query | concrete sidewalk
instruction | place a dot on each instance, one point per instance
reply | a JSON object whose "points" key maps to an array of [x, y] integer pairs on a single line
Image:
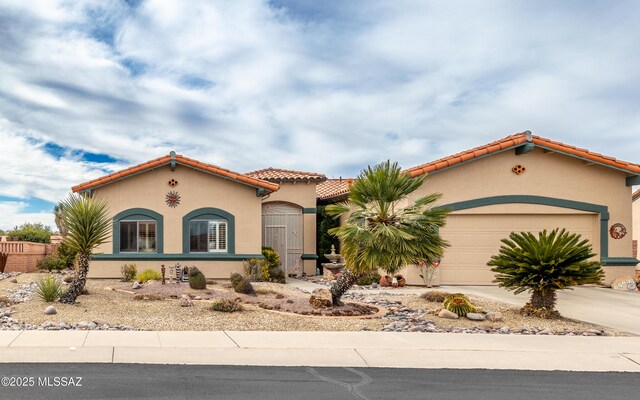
{"points": [[325, 349]]}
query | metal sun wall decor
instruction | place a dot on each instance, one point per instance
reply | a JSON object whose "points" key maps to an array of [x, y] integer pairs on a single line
{"points": [[172, 199], [618, 231]]}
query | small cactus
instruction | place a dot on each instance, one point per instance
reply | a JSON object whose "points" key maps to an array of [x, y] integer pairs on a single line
{"points": [[450, 297], [197, 279], [241, 284], [226, 305], [460, 306]]}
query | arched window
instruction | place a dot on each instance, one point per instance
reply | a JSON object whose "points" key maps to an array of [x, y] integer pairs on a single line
{"points": [[208, 230], [138, 230]]}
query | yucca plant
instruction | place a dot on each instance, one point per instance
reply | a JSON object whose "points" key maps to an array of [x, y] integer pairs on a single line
{"points": [[48, 289], [544, 264], [379, 232], [87, 222]]}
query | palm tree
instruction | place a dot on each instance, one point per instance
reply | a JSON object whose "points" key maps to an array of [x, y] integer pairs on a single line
{"points": [[544, 264], [57, 213], [379, 233], [88, 224]]}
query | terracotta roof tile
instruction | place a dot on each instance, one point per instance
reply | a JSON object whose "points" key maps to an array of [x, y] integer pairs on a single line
{"points": [[333, 188], [286, 175], [516, 140], [180, 159]]}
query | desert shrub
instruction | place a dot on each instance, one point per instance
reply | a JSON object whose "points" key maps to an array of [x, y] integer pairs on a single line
{"points": [[147, 275], [460, 306], [543, 264], [226, 305], [48, 289], [28, 232], [256, 269], [276, 274], [435, 296], [368, 279], [66, 254], [128, 272], [197, 279], [241, 284], [51, 262]]}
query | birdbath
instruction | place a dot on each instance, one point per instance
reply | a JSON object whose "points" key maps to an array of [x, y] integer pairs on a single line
{"points": [[334, 266]]}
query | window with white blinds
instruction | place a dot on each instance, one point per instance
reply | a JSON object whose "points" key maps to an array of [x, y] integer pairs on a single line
{"points": [[137, 236], [208, 236]]}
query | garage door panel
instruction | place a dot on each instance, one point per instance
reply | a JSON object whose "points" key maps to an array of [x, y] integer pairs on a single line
{"points": [[474, 238]]}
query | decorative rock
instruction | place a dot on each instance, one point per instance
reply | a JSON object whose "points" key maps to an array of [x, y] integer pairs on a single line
{"points": [[14, 280], [279, 296], [136, 285], [92, 325], [185, 301], [447, 314], [544, 332], [608, 333], [625, 284], [152, 282], [51, 310], [109, 289], [504, 329], [100, 322], [494, 316], [475, 316], [321, 298]]}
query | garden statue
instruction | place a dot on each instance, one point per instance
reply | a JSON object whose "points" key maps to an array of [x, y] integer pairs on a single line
{"points": [[163, 271]]}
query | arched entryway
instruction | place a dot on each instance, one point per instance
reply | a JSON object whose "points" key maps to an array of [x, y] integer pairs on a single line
{"points": [[282, 229]]}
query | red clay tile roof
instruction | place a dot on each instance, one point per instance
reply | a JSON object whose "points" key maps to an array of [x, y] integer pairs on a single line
{"points": [[517, 140], [180, 159], [286, 175], [636, 195], [333, 188]]}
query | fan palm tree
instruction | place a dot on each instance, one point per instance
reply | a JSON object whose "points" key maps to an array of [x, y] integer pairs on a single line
{"points": [[57, 213], [544, 264], [88, 224], [379, 232]]}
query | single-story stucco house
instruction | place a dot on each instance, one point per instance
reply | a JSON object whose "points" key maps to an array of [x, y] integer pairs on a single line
{"points": [[635, 198], [178, 210], [523, 183]]}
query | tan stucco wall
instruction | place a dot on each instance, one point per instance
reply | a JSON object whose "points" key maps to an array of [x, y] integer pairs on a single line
{"points": [[636, 220], [210, 269], [549, 175]]}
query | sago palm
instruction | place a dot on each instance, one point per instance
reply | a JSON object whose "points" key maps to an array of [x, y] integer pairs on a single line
{"points": [[379, 232], [544, 264], [87, 222]]}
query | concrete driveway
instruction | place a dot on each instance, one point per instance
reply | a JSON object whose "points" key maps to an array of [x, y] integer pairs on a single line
{"points": [[602, 306]]}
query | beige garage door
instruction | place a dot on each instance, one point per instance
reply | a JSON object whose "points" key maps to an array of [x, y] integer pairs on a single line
{"points": [[475, 238]]}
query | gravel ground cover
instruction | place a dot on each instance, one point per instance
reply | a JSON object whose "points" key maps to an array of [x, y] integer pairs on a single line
{"points": [[110, 304]]}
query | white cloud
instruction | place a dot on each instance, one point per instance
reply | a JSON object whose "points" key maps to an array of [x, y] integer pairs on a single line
{"points": [[13, 214]]}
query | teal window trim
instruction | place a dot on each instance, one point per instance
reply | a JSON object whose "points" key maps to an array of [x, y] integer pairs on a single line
{"points": [[188, 256], [309, 257], [210, 213], [546, 201], [620, 261], [137, 214], [310, 210]]}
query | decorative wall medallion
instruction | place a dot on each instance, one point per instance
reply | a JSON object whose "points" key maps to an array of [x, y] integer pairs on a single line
{"points": [[173, 183], [518, 169], [617, 231], [172, 198]]}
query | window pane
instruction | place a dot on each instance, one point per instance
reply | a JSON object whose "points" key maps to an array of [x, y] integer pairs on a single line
{"points": [[128, 236], [222, 241], [213, 236], [198, 236], [147, 236]]}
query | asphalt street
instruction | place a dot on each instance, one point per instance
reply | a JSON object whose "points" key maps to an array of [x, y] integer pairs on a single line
{"points": [[140, 381]]}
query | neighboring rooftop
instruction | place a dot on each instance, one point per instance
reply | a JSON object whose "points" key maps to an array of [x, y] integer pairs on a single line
{"points": [[286, 175], [517, 140], [173, 159], [333, 188], [636, 195]]}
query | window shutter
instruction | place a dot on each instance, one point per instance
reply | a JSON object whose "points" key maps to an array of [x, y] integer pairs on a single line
{"points": [[222, 241]]}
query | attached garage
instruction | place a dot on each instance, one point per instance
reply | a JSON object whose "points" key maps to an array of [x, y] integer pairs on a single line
{"points": [[474, 238]]}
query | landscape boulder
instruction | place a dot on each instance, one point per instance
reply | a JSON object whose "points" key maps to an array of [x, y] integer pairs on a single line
{"points": [[475, 316], [185, 301], [447, 314], [51, 310], [321, 298], [136, 285], [494, 316]]}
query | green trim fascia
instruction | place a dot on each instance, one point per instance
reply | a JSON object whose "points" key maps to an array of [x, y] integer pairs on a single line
{"points": [[636, 197], [138, 214], [620, 261], [210, 213], [313, 210], [633, 180], [546, 201], [309, 257], [189, 256], [525, 148]]}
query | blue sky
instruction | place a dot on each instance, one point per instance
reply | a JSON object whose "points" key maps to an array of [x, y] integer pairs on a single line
{"points": [[89, 87]]}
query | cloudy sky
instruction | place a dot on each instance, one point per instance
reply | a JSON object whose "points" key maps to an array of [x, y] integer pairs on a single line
{"points": [[88, 87]]}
